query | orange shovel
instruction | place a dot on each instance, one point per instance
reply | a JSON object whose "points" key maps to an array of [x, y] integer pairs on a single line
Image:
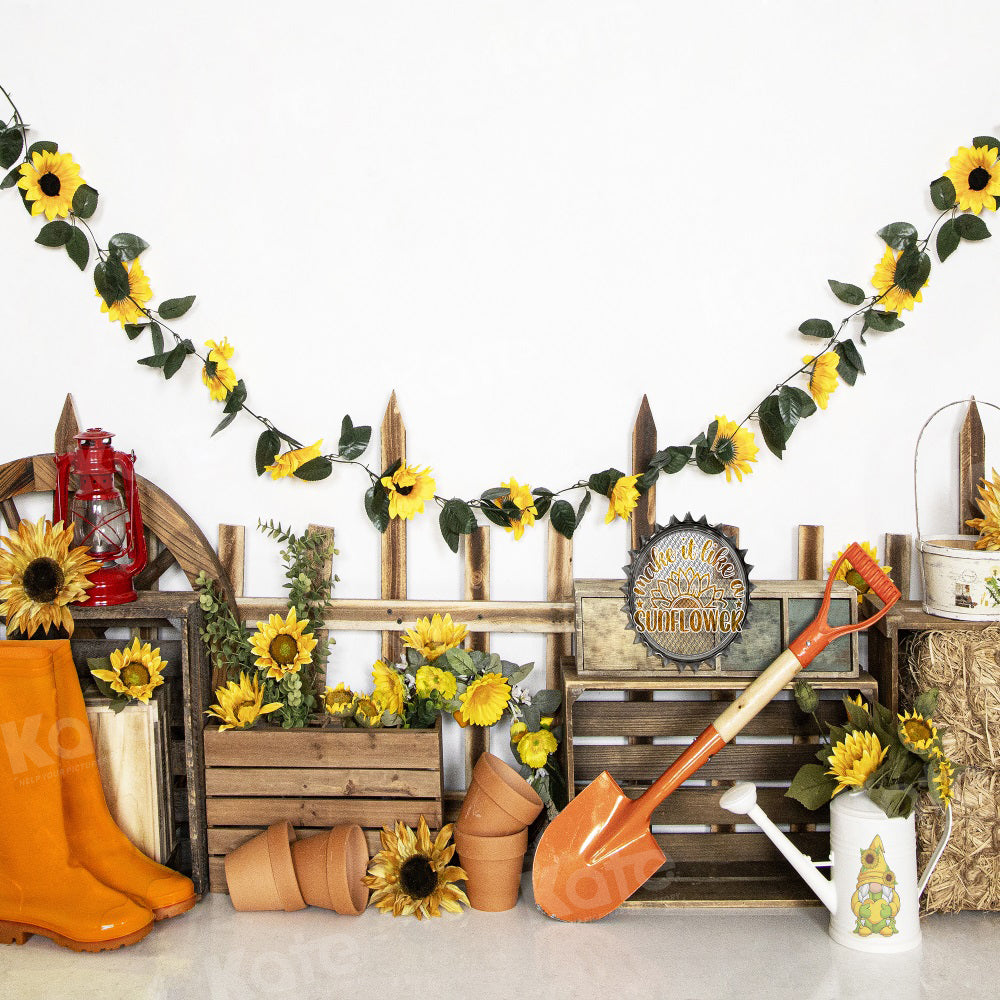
{"points": [[600, 848]]}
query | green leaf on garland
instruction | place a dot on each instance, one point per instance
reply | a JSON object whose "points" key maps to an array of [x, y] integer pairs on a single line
{"points": [[224, 422], [377, 506], [456, 520], [847, 292], [127, 245], [882, 321], [11, 144], [85, 201], [971, 227], [821, 328], [387, 473], [42, 146], [154, 360], [584, 506], [175, 308], [772, 427], [268, 446], [111, 279], [793, 404], [852, 354], [563, 518], [542, 502], [134, 330], [671, 460], [175, 359], [947, 240], [54, 234], [353, 440], [494, 493], [602, 482], [648, 479], [236, 397], [494, 514], [898, 235], [11, 179], [845, 369], [316, 469], [943, 193], [985, 140], [78, 248], [912, 270], [707, 462]]}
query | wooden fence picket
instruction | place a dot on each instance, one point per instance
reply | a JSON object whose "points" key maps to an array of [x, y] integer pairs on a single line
{"points": [[393, 441], [476, 557]]}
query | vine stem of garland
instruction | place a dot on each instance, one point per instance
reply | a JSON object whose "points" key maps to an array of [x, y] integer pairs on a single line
{"points": [[723, 447]]}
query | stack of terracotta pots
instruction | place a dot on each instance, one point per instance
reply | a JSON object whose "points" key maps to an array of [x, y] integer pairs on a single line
{"points": [[492, 833], [276, 871]]}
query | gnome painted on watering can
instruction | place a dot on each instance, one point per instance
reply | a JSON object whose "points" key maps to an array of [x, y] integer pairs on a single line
{"points": [[870, 772]]}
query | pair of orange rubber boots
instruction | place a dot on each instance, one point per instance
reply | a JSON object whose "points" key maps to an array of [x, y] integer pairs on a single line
{"points": [[67, 872]]}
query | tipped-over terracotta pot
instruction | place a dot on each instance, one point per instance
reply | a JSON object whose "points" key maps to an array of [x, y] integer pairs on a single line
{"points": [[330, 868], [493, 866], [499, 801], [260, 874]]}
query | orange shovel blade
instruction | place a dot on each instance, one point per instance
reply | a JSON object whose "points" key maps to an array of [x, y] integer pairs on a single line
{"points": [[594, 854]]}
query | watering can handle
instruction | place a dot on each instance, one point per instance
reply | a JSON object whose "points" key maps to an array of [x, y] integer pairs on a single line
{"points": [[936, 856]]}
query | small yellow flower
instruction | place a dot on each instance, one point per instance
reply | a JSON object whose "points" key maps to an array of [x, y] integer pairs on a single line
{"points": [[390, 692], [485, 700], [854, 759], [434, 636], [49, 183], [976, 176], [408, 488], [127, 310], [517, 730], [136, 671], [339, 701], [943, 784], [239, 706], [367, 712], [823, 377], [430, 679], [917, 732], [624, 496], [282, 646], [859, 701], [988, 525], [534, 748], [884, 279], [222, 383], [287, 464], [521, 497], [849, 574], [734, 447]]}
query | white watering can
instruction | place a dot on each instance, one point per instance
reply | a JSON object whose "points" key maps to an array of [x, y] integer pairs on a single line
{"points": [[873, 897]]}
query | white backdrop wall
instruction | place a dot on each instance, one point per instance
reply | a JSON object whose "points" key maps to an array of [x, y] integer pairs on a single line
{"points": [[522, 217]]}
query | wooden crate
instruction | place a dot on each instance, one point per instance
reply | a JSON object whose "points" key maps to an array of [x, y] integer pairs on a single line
{"points": [[317, 778], [709, 862], [779, 610]]}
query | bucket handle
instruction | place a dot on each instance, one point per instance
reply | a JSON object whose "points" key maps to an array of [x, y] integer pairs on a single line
{"points": [[938, 851]]}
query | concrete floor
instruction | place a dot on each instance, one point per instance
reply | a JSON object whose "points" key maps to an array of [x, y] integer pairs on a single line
{"points": [[214, 953]]}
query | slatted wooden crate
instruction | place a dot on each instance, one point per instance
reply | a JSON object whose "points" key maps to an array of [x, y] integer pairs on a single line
{"points": [[317, 778], [709, 862]]}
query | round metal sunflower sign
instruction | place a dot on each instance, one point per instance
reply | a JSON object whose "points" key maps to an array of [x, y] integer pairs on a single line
{"points": [[687, 591]]}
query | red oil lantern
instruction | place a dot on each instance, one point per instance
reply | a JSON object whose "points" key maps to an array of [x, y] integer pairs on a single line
{"points": [[108, 524]]}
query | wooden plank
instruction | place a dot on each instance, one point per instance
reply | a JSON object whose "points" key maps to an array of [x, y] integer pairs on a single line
{"points": [[321, 812], [11, 515], [326, 576], [67, 427], [709, 893], [322, 781], [558, 590], [393, 441], [195, 675], [476, 558], [734, 848], [148, 577], [232, 555], [17, 477], [898, 555], [971, 467], [223, 839], [811, 552]]}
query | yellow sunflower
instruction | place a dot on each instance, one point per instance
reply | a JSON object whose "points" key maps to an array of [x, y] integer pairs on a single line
{"points": [[41, 575], [239, 706], [413, 876], [917, 732], [367, 712], [222, 383], [339, 701], [434, 636], [282, 646], [127, 310], [285, 465], [734, 447], [390, 691], [624, 496], [854, 759], [49, 183], [823, 377], [534, 748], [408, 488], [858, 700], [976, 176], [431, 679], [849, 574], [136, 671], [521, 497], [988, 525], [893, 298], [485, 700], [942, 783]]}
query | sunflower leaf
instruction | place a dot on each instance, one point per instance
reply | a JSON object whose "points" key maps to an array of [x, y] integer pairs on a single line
{"points": [[541, 503], [495, 515], [11, 179], [846, 292], [845, 369], [794, 403], [111, 279], [377, 506], [925, 704], [707, 462], [175, 308], [236, 397], [647, 480], [154, 360], [42, 146], [947, 240], [78, 248], [563, 518], [898, 235], [894, 802], [85, 201], [353, 440], [456, 520], [224, 423], [821, 328], [134, 330], [912, 270], [127, 245], [175, 359], [883, 322], [157, 335], [971, 227], [602, 482], [812, 786], [494, 493], [671, 460], [943, 193], [268, 446], [852, 354], [314, 470], [54, 234], [11, 144], [985, 140], [389, 471], [773, 427], [584, 505]]}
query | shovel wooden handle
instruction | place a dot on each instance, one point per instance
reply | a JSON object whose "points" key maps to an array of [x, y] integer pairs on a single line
{"points": [[760, 693]]}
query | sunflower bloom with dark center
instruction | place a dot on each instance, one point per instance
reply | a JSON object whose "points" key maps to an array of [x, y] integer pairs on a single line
{"points": [[136, 671], [408, 488], [49, 183], [734, 447], [282, 646], [975, 174], [917, 733]]}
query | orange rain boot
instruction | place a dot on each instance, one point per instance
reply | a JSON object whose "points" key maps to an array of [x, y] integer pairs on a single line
{"points": [[43, 890], [95, 839]]}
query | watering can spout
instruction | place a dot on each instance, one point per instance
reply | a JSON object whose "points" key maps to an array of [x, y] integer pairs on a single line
{"points": [[742, 800]]}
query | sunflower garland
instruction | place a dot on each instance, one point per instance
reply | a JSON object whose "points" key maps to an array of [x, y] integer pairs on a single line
{"points": [[969, 185]]}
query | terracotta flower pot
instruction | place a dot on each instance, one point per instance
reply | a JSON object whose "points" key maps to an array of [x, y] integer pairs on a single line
{"points": [[330, 868], [499, 801], [493, 866], [260, 874]]}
